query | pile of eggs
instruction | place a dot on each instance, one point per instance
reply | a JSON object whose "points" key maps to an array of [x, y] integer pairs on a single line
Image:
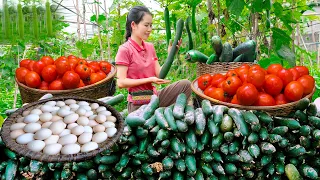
{"points": [[64, 127]]}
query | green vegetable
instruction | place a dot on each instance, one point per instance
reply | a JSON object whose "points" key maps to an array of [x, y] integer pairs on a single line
{"points": [[193, 18], [238, 119], [161, 120], [189, 115], [167, 24], [213, 128], [200, 121], [226, 54], [289, 122], [196, 56], [48, 19], [35, 21], [134, 121], [213, 58], [20, 21], [292, 172], [170, 119], [217, 45], [206, 107], [244, 48], [190, 42], [179, 106]]}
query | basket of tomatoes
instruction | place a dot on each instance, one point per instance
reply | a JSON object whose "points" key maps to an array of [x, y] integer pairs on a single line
{"points": [[65, 76], [276, 90]]}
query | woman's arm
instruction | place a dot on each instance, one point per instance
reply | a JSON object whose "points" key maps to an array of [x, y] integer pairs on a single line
{"points": [[158, 68]]}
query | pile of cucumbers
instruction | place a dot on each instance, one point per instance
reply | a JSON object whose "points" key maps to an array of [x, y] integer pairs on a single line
{"points": [[245, 52]]}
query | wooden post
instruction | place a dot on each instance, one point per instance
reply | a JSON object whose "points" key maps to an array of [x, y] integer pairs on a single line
{"points": [[313, 37], [84, 19], [78, 19], [119, 28], [98, 25], [107, 28], [219, 27]]}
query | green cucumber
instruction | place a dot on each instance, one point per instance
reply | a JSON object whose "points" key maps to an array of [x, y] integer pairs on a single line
{"points": [[151, 107], [252, 119], [162, 134], [146, 169], [167, 24], [10, 154], [180, 165], [200, 121], [11, 170], [193, 17], [189, 115], [190, 42], [263, 117], [179, 106], [206, 169], [190, 161], [134, 121], [150, 123], [316, 134], [206, 107], [167, 163], [226, 54], [230, 168], [245, 156], [244, 48], [216, 156], [296, 151], [232, 158], [213, 128], [217, 45], [217, 141], [224, 148], [292, 172], [196, 56], [110, 159], [170, 119], [263, 133], [114, 100], [228, 136], [141, 132], [312, 109], [234, 147], [35, 21], [303, 104], [20, 21], [206, 156], [271, 168], [160, 118], [182, 126], [253, 138], [301, 116], [315, 121], [35, 166], [239, 58], [219, 111], [274, 138], [155, 130], [238, 119], [123, 162], [254, 150], [164, 174], [289, 122], [281, 130], [175, 145], [226, 124], [49, 19], [266, 159], [267, 148], [283, 143], [143, 145], [177, 175], [213, 58], [165, 143], [199, 176]]}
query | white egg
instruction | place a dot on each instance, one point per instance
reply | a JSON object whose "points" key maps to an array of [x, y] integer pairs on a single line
{"points": [[89, 113], [63, 112], [90, 146], [42, 134], [46, 108], [51, 103], [86, 107], [45, 117], [70, 101], [56, 108], [70, 149], [83, 103], [17, 126], [31, 118], [111, 119], [84, 138], [25, 138], [74, 106], [20, 119], [36, 111], [68, 139], [60, 103], [52, 139], [99, 137], [94, 106], [81, 112], [25, 113], [32, 127], [57, 127], [52, 149], [78, 130], [111, 131], [92, 123], [16, 133], [54, 113], [56, 118], [88, 129], [101, 118], [65, 132], [83, 121], [109, 124], [72, 125], [66, 107], [71, 118], [106, 113], [36, 145], [92, 117], [98, 128], [46, 125], [101, 108]]}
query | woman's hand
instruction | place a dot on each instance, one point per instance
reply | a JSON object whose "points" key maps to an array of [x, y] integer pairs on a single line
{"points": [[158, 81], [178, 45]]}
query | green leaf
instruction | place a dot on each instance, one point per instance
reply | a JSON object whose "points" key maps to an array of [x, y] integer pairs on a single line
{"points": [[278, 9], [235, 6], [267, 4], [286, 53], [101, 18], [257, 6], [266, 62], [93, 18], [280, 37]]}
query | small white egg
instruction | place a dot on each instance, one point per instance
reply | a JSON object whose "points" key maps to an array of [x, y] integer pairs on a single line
{"points": [[88, 129], [78, 130], [56, 118], [60, 103], [92, 117], [52, 149], [101, 118], [25, 113], [17, 126], [83, 103], [52, 139], [42, 134], [83, 121], [98, 128], [70, 149], [106, 113], [74, 106], [31, 118], [88, 113], [71, 118], [111, 131], [25, 138], [65, 132], [55, 108], [46, 125], [64, 112], [109, 124], [36, 111], [81, 112], [86, 107], [66, 107], [101, 108], [45, 117], [99, 137], [68, 139], [90, 146], [111, 119], [46, 108], [70, 101], [84, 138], [94, 106], [20, 119], [92, 123], [72, 125], [51, 103], [32, 127], [57, 127], [36, 145], [16, 133]]}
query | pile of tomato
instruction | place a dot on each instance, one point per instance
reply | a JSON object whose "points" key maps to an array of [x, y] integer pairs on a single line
{"points": [[63, 73], [255, 86]]}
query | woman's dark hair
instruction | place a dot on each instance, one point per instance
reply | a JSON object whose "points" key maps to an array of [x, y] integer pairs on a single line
{"points": [[136, 14]]}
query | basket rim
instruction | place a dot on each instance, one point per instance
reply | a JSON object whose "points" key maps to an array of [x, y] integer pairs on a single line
{"points": [[109, 76], [22, 150], [202, 95]]}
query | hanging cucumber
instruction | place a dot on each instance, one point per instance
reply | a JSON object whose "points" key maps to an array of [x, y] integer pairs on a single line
{"points": [[35, 21], [7, 22], [49, 19], [268, 19], [166, 66], [189, 33], [196, 56], [193, 18], [20, 21], [217, 45], [167, 24]]}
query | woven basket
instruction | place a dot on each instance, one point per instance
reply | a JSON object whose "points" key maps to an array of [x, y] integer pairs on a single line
{"points": [[218, 67], [106, 87], [22, 150], [278, 110]]}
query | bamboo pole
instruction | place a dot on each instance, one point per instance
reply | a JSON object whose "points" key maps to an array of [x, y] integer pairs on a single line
{"points": [[84, 19], [210, 15], [119, 15], [293, 33], [107, 27], [78, 19], [99, 33], [219, 8]]}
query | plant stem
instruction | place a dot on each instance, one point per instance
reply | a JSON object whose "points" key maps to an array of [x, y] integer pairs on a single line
{"points": [[99, 34], [107, 27], [78, 19], [219, 27], [210, 15]]}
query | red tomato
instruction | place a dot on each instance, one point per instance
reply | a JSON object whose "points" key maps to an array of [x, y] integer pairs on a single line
{"points": [[105, 67], [73, 66], [245, 66], [56, 85], [235, 100], [83, 70], [21, 73], [81, 84], [49, 73], [208, 90], [274, 69], [273, 85], [286, 76], [83, 61], [94, 77], [101, 74], [47, 60], [204, 81], [72, 57], [295, 74], [70, 80], [24, 63], [280, 99], [247, 94], [231, 73], [219, 94], [33, 79], [308, 84], [265, 99], [217, 79], [220, 84], [94, 65], [302, 70], [44, 85], [231, 85], [38, 66], [62, 66], [30, 65], [293, 91], [243, 74], [256, 77], [61, 58], [73, 60]]}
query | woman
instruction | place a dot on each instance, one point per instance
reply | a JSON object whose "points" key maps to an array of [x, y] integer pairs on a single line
{"points": [[138, 67]]}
